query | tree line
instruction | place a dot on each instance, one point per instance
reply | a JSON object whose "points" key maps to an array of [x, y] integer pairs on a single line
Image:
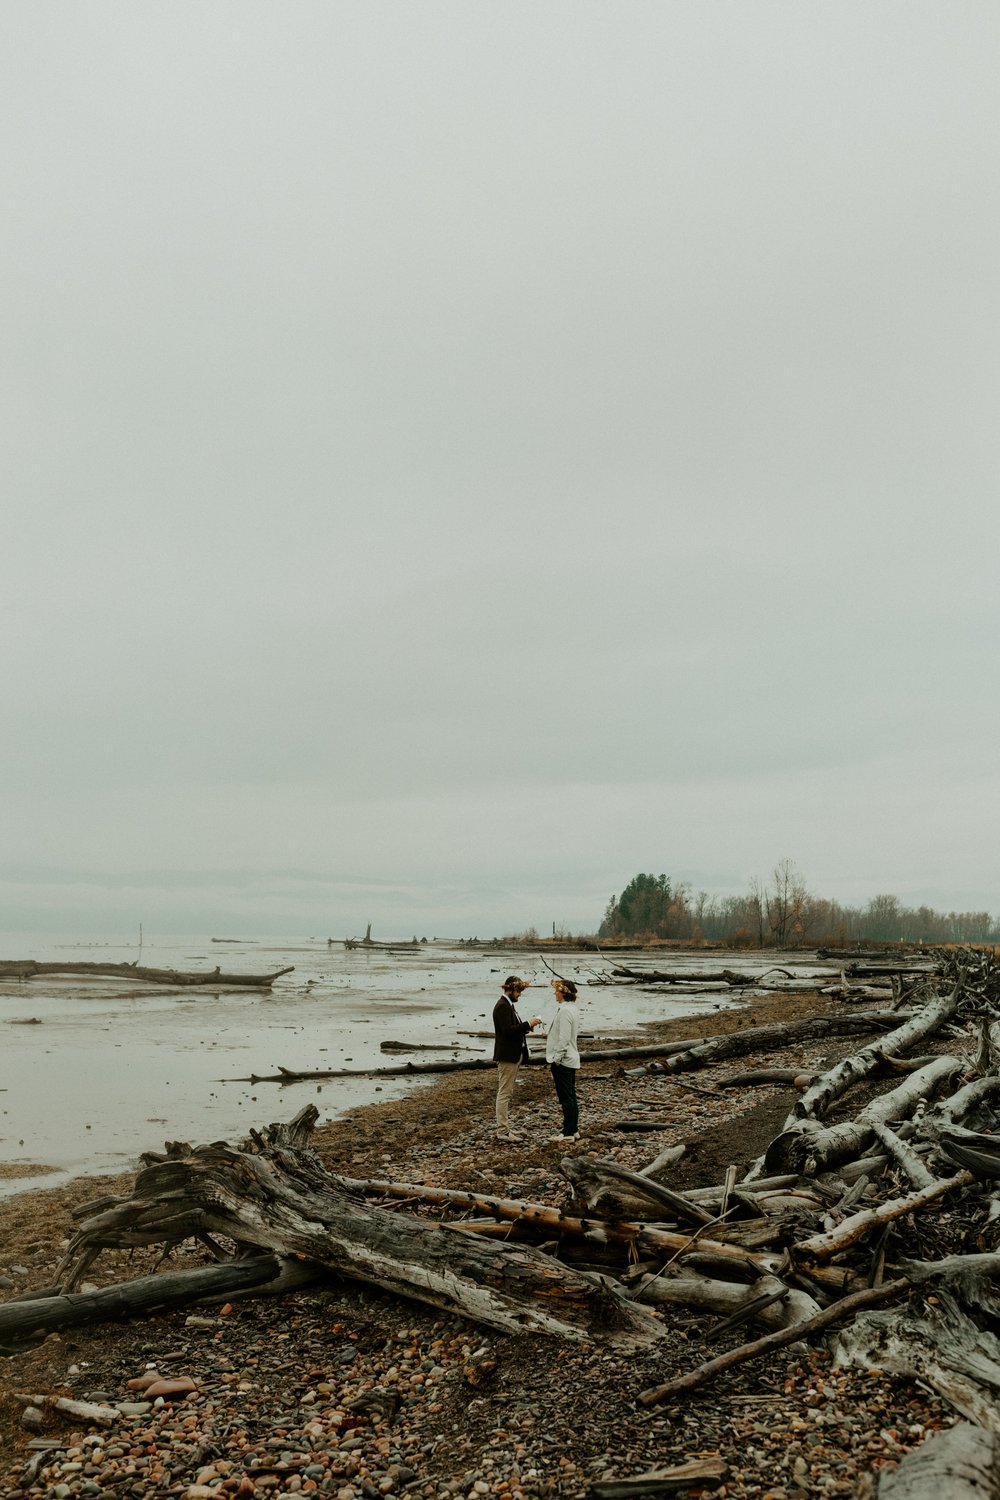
{"points": [[782, 913]]}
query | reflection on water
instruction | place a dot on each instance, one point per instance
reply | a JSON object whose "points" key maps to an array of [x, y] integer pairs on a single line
{"points": [[101, 1071]]}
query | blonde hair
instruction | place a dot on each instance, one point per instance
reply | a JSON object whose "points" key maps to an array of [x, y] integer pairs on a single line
{"points": [[565, 987]]}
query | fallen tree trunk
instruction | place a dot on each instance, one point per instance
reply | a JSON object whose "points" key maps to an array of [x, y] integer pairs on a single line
{"points": [[597, 1182], [777, 1306], [849, 1231], [772, 1038], [260, 1273], [645, 1237], [817, 1099], [810, 1147], [29, 968], [281, 1198]]}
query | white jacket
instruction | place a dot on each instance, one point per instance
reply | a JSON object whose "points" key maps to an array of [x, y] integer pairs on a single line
{"points": [[560, 1040]]}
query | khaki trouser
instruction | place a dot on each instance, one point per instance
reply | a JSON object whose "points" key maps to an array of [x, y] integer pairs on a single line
{"points": [[506, 1073]]}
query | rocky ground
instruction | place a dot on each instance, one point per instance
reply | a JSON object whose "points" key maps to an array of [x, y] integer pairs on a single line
{"points": [[344, 1391]]}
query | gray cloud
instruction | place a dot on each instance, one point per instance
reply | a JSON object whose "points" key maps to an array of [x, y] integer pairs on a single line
{"points": [[474, 455]]}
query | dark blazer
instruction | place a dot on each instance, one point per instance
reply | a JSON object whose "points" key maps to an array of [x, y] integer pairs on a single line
{"points": [[509, 1044]]}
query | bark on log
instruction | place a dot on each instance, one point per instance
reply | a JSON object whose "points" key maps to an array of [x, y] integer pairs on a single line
{"points": [[904, 1155], [960, 1105], [668, 1157], [261, 1273], [772, 1038], [683, 1288], [816, 1101], [789, 1077], [945, 1349], [850, 1231], [646, 1238], [960, 1463], [808, 1146], [710, 976], [594, 1180], [29, 968], [281, 1198]]}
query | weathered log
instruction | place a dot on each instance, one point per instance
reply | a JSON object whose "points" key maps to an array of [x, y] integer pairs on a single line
{"points": [[959, 1463], [817, 1099], [710, 1197], [281, 1198], [668, 1157], [709, 976], [771, 1038], [809, 1146], [904, 1155], [968, 1148], [845, 1308], [695, 1474], [29, 968], [683, 1288], [646, 1238], [85, 1411], [763, 1077], [594, 1180], [853, 1229], [262, 1273], [960, 1105]]}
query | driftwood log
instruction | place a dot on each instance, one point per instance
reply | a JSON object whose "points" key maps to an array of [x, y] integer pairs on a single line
{"points": [[960, 1463], [29, 968], [277, 1196], [150, 1294]]}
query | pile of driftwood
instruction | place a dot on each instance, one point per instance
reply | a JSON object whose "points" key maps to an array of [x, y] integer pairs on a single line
{"points": [[877, 1220], [855, 979]]}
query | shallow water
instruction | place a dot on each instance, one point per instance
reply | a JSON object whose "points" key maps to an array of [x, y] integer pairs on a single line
{"points": [[94, 1071]]}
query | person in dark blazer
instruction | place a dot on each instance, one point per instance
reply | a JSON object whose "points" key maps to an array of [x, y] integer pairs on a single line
{"points": [[510, 1049]]}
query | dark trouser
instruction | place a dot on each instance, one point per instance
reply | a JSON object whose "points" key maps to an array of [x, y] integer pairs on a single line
{"points": [[565, 1082]]}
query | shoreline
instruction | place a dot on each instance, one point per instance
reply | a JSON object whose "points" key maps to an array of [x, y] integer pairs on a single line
{"points": [[697, 1023], [546, 1420]]}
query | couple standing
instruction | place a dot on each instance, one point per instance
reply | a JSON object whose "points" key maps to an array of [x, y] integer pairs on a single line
{"points": [[510, 1049]]}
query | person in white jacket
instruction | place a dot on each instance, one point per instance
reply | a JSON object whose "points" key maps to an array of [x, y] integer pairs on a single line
{"points": [[563, 1057]]}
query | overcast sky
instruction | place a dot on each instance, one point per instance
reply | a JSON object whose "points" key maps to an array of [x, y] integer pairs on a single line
{"points": [[456, 456]]}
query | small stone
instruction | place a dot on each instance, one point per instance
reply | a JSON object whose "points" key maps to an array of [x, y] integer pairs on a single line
{"points": [[171, 1390], [32, 1419]]}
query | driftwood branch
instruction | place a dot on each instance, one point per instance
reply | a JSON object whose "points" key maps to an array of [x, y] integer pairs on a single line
{"points": [[847, 1307], [29, 968]]}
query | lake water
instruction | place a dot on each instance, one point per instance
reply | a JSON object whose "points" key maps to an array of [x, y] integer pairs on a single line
{"points": [[94, 1071]]}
